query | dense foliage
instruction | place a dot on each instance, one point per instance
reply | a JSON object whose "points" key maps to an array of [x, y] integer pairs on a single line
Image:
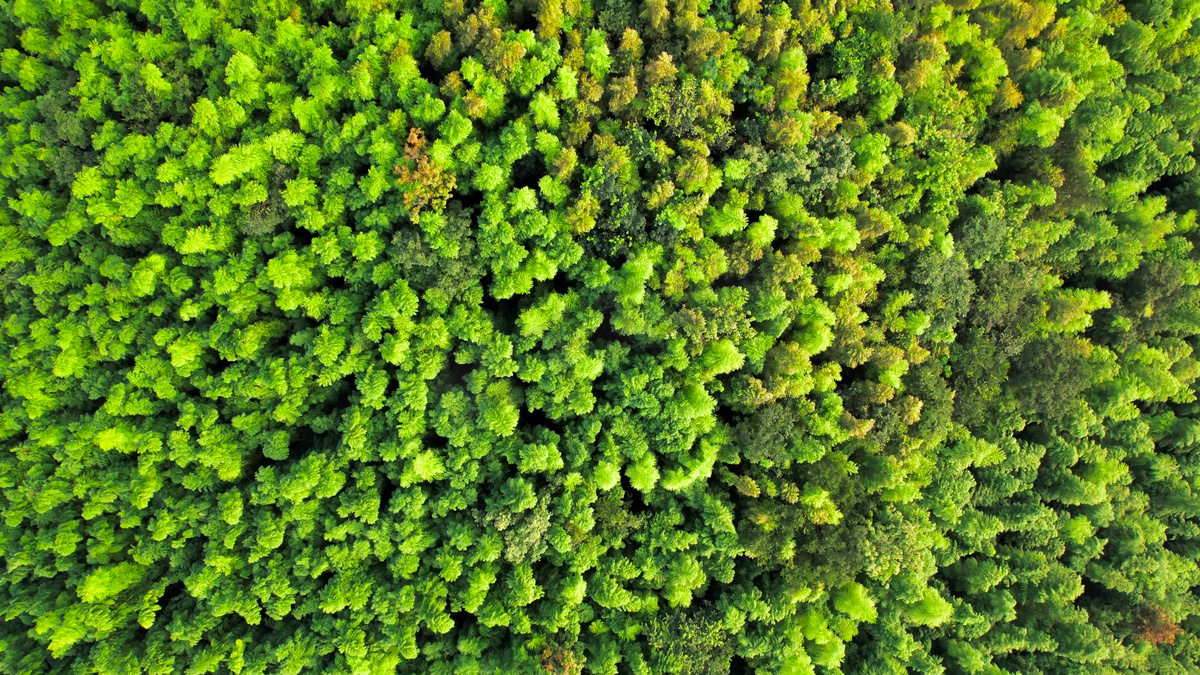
{"points": [[630, 336]]}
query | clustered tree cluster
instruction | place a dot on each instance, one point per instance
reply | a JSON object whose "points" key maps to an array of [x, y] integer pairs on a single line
{"points": [[599, 336]]}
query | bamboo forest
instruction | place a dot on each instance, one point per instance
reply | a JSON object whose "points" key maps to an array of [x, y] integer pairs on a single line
{"points": [[599, 337]]}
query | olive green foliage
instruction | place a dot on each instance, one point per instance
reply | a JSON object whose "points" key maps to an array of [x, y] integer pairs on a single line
{"points": [[608, 336]]}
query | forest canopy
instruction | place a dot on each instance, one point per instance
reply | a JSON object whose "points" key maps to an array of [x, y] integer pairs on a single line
{"points": [[618, 337]]}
